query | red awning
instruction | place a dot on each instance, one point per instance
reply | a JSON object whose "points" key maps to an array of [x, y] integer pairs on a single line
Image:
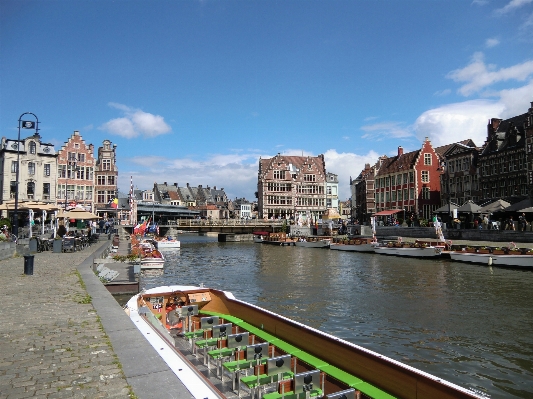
{"points": [[388, 212], [261, 233]]}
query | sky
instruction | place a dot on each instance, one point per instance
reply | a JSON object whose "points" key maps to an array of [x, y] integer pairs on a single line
{"points": [[197, 91]]}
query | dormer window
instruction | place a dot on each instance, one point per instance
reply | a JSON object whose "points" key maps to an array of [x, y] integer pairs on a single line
{"points": [[33, 147]]}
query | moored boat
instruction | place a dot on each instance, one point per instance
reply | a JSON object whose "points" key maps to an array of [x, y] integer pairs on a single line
{"points": [[260, 236], [362, 244], [151, 257], [167, 243], [313, 242], [415, 250], [219, 346], [519, 259]]}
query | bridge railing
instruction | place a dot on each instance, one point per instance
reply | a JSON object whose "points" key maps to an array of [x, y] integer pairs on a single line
{"points": [[224, 222]]}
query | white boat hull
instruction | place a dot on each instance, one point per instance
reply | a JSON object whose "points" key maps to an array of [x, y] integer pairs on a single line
{"points": [[152, 263], [421, 252], [168, 244], [258, 239], [353, 247], [313, 244], [495, 260]]}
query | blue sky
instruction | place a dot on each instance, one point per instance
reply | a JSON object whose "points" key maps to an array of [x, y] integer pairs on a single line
{"points": [[196, 91]]}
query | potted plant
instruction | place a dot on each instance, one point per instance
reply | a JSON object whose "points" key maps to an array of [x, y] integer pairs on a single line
{"points": [[498, 251], [483, 250]]}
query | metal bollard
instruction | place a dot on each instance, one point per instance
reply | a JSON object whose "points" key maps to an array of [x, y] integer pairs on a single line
{"points": [[28, 264]]}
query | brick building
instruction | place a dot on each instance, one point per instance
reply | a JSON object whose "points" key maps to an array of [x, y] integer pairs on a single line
{"points": [[75, 173], [291, 185], [106, 178]]}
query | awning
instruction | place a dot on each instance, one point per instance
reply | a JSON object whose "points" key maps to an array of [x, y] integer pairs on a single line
{"points": [[388, 212], [261, 233]]}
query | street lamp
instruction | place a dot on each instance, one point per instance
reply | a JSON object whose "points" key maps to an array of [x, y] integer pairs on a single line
{"points": [[23, 125]]}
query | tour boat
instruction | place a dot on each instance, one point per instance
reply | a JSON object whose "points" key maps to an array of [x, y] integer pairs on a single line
{"points": [[221, 347], [260, 236], [510, 259], [415, 250], [151, 258], [363, 244], [313, 242], [167, 243]]}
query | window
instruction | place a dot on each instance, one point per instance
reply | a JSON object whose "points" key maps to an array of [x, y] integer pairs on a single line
{"points": [[405, 178], [47, 169], [400, 197], [427, 159], [46, 190], [393, 180], [387, 197], [100, 180], [80, 173], [81, 157], [394, 196], [279, 174], [33, 147], [12, 189], [309, 178], [387, 181], [88, 193], [71, 156], [62, 171], [101, 197], [405, 195], [31, 168], [425, 192], [106, 164], [425, 176], [30, 189], [411, 177], [13, 166], [412, 193]]}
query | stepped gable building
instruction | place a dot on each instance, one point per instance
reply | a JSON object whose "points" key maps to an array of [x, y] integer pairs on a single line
{"points": [[503, 162], [37, 173], [410, 182], [106, 179], [75, 172], [460, 177], [291, 185]]}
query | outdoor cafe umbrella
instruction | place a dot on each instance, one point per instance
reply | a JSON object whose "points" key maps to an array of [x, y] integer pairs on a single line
{"points": [[469, 207], [495, 206], [79, 214], [521, 206], [446, 208]]}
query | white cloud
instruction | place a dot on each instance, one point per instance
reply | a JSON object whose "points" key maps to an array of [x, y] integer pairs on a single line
{"points": [[455, 122], [346, 165], [384, 130], [489, 43], [512, 5], [479, 76], [135, 122]]}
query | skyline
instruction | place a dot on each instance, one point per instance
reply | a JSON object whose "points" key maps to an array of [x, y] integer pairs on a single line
{"points": [[196, 91]]}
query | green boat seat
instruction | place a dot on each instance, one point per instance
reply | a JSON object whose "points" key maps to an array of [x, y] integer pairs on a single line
{"points": [[220, 353], [253, 381], [227, 317], [206, 342], [291, 395], [194, 334]]}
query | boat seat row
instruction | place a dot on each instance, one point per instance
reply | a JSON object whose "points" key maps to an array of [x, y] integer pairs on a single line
{"points": [[313, 361]]}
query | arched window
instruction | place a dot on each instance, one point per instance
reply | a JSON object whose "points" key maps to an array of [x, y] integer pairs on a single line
{"points": [[33, 147]]}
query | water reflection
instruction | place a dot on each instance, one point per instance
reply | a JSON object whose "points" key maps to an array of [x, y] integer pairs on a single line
{"points": [[471, 325]]}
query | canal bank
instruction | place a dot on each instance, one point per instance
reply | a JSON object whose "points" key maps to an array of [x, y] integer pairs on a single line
{"points": [[64, 335]]}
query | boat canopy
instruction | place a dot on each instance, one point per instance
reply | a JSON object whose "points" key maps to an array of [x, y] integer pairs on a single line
{"points": [[261, 233]]}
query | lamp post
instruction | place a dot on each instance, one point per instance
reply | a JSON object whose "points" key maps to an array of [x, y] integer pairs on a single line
{"points": [[23, 125]]}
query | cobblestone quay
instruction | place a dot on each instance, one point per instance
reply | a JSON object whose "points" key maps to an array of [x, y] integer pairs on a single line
{"points": [[62, 335]]}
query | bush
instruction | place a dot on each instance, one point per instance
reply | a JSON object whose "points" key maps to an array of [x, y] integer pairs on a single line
{"points": [[6, 222]]}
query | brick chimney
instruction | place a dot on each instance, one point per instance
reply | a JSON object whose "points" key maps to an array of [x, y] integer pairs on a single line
{"points": [[400, 151]]}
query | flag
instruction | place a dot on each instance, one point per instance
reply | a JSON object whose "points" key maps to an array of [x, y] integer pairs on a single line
{"points": [[113, 203]]}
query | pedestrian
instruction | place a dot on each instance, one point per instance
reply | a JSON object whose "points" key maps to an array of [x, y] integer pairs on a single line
{"points": [[101, 224], [106, 226], [522, 221]]}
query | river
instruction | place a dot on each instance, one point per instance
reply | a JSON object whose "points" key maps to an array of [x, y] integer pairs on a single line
{"points": [[471, 325]]}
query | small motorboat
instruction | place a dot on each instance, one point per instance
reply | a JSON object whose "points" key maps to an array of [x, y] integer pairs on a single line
{"points": [[361, 244], [313, 242], [167, 243]]}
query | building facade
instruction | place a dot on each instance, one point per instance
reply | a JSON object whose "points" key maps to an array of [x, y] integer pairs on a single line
{"points": [[332, 191], [106, 179], [503, 163], [363, 194], [75, 173], [37, 171], [289, 186]]}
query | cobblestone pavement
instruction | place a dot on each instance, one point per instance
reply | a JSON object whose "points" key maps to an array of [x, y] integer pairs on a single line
{"points": [[52, 343]]}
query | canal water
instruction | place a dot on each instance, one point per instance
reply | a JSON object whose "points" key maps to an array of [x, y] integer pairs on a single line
{"points": [[471, 325]]}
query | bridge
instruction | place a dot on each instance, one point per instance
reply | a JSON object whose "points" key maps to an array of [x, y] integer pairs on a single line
{"points": [[229, 226]]}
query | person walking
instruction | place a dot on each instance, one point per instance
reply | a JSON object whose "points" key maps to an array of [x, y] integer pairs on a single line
{"points": [[522, 221]]}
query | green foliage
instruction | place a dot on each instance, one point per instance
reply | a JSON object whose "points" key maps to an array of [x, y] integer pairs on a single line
{"points": [[284, 226], [120, 258], [6, 222]]}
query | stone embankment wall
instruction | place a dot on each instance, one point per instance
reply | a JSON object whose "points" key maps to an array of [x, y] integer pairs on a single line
{"points": [[7, 250], [454, 234]]}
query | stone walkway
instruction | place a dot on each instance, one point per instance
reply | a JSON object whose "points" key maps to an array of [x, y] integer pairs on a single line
{"points": [[52, 342]]}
